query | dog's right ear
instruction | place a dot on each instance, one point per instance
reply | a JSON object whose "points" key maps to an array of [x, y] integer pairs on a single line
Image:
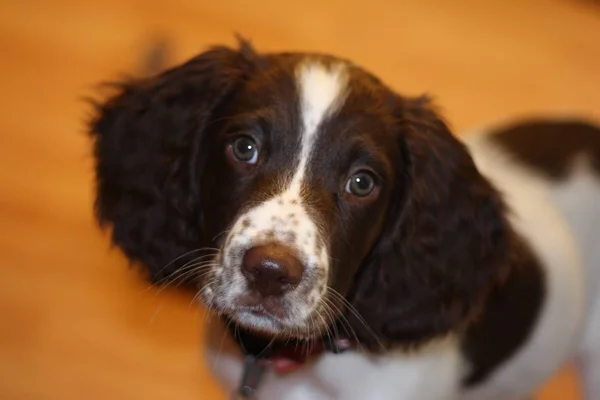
{"points": [[149, 157]]}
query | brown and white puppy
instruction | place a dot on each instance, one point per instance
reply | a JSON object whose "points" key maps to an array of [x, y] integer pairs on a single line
{"points": [[304, 197]]}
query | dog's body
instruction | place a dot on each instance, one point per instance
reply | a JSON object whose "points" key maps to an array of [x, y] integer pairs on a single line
{"points": [[328, 205], [556, 207], [559, 213]]}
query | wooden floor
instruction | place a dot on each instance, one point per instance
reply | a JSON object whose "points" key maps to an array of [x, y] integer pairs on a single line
{"points": [[75, 322]]}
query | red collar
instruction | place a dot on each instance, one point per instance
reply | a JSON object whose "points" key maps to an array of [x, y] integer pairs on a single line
{"points": [[289, 358], [281, 357]]}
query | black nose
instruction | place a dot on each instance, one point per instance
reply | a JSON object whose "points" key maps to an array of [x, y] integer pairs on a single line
{"points": [[272, 269]]}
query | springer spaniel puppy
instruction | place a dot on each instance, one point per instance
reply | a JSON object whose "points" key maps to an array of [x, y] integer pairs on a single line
{"points": [[350, 244]]}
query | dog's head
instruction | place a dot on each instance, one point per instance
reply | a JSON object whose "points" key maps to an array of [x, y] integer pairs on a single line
{"points": [[301, 190]]}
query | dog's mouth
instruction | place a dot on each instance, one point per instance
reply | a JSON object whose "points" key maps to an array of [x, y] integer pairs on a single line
{"points": [[267, 307], [283, 355], [269, 317], [266, 317], [261, 311]]}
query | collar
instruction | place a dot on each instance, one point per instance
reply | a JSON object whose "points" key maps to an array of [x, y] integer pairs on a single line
{"points": [[279, 356], [292, 356]]}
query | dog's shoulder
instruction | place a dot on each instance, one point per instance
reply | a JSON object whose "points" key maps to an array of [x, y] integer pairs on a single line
{"points": [[528, 327]]}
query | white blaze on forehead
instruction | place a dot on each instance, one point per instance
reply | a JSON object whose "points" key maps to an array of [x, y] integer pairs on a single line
{"points": [[322, 90]]}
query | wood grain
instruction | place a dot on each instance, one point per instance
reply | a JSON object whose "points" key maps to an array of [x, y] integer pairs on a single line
{"points": [[76, 322]]}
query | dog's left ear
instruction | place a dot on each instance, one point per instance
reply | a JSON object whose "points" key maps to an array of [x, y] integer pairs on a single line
{"points": [[149, 147], [445, 244]]}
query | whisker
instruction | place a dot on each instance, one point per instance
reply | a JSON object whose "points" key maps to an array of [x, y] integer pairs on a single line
{"points": [[161, 281], [336, 310], [266, 348], [355, 312], [326, 325], [215, 363], [311, 340], [187, 254], [220, 234], [200, 258], [236, 330], [155, 314], [330, 316], [180, 279], [187, 270], [191, 271], [199, 292], [347, 326]]}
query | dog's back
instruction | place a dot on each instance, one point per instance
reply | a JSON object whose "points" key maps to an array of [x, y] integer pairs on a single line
{"points": [[549, 172]]}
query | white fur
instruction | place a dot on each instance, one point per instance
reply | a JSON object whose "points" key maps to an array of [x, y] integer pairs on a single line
{"points": [[322, 90], [431, 373], [285, 218], [589, 355], [561, 221], [538, 219], [579, 200]]}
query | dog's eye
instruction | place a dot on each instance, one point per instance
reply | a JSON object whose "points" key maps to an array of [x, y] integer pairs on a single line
{"points": [[245, 150], [360, 184]]}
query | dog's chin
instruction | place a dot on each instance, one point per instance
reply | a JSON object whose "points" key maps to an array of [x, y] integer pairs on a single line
{"points": [[260, 321], [267, 317]]}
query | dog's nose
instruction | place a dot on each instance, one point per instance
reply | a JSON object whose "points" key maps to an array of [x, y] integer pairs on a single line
{"points": [[272, 269]]}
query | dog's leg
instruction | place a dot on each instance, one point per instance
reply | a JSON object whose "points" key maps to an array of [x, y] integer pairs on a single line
{"points": [[589, 359], [589, 370]]}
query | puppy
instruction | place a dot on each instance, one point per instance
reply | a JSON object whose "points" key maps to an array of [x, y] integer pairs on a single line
{"points": [[355, 248]]}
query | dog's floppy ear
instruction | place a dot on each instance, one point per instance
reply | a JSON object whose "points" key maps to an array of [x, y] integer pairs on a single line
{"points": [[148, 155], [445, 244]]}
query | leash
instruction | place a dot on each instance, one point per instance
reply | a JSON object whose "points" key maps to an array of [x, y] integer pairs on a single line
{"points": [[254, 370]]}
